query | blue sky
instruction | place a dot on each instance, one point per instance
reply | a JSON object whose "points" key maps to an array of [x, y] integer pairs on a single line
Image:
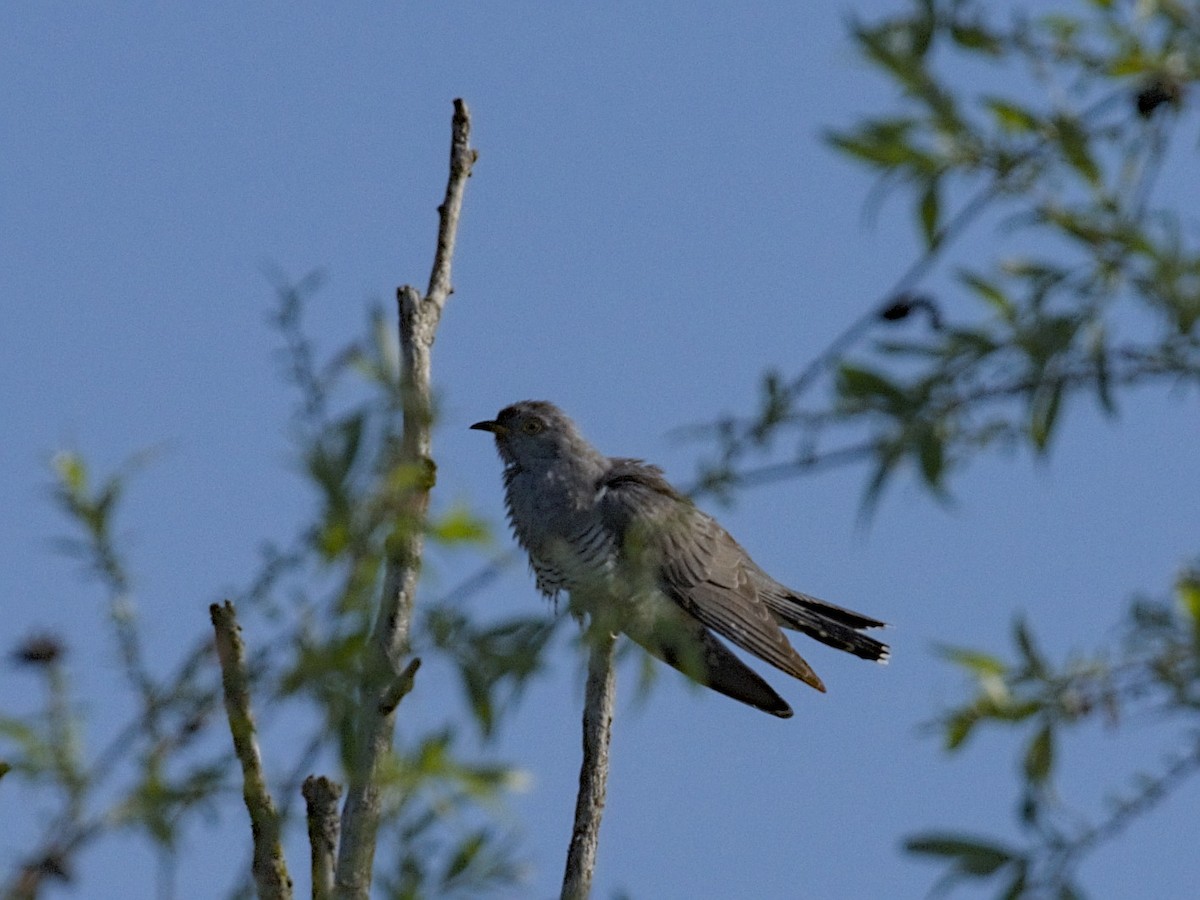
{"points": [[653, 220]]}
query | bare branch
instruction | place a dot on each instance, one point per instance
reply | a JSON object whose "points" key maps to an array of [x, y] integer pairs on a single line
{"points": [[599, 701], [384, 679], [321, 798], [269, 867], [462, 158]]}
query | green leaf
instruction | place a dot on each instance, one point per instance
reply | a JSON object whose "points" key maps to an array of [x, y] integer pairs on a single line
{"points": [[1103, 378], [857, 382], [36, 754], [973, 36], [974, 858], [931, 451], [1005, 709], [989, 291], [1074, 143], [959, 727], [975, 344], [1062, 28], [333, 454], [884, 144], [1043, 413], [1131, 60], [466, 853], [1011, 117], [974, 661], [72, 472], [1187, 590], [333, 539], [1039, 755], [898, 47], [459, 526], [929, 207], [1023, 637]]}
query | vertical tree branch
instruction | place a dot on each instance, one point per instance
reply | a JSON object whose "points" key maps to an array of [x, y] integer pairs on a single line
{"points": [[269, 868], [599, 700], [385, 680], [321, 798]]}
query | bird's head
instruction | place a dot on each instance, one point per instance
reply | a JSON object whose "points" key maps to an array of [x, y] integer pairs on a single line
{"points": [[534, 431]]}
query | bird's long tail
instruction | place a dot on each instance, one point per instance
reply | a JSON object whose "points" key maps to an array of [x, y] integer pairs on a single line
{"points": [[833, 625]]}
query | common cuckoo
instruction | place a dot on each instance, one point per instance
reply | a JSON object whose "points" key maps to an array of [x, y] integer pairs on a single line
{"points": [[639, 557]]}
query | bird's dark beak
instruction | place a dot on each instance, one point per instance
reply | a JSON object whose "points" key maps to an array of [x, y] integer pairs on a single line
{"points": [[488, 425]]}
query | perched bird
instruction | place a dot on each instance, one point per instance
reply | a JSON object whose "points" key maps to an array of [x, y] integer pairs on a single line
{"points": [[638, 557]]}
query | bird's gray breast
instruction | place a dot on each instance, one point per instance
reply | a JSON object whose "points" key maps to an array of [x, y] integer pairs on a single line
{"points": [[555, 518]]}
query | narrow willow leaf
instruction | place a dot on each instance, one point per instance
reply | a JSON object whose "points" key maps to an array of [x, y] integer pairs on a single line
{"points": [[1039, 756], [975, 661], [1011, 117], [959, 727], [1043, 413], [989, 291], [973, 857], [1074, 143], [973, 36], [929, 209], [854, 381], [931, 452], [1034, 661]]}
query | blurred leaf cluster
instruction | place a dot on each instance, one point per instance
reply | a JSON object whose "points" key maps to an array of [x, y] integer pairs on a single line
{"points": [[307, 613], [1153, 674], [1041, 150], [1087, 283]]}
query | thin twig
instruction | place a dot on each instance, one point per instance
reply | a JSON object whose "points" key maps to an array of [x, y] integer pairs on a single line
{"points": [[321, 798], [599, 701], [804, 463], [902, 290], [385, 678], [270, 869], [1130, 367]]}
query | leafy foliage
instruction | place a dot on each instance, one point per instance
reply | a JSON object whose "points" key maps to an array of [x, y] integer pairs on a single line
{"points": [[1089, 285], [1096, 289], [1154, 669], [307, 612]]}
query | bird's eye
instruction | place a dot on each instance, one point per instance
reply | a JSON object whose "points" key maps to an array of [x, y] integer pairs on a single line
{"points": [[532, 426]]}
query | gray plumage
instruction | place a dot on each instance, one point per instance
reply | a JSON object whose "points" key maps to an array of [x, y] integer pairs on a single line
{"points": [[639, 557]]}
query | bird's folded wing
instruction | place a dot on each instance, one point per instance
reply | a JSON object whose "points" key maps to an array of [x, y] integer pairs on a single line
{"points": [[695, 562], [683, 642]]}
